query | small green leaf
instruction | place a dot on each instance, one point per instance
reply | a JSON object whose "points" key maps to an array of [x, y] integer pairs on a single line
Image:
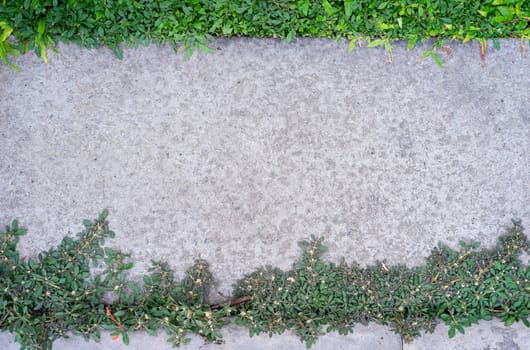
{"points": [[506, 12], [125, 338], [227, 29], [509, 321], [503, 2], [348, 8], [304, 7], [468, 37], [117, 51], [119, 313], [426, 54], [438, 60], [290, 36], [43, 53], [151, 332], [411, 42], [452, 332], [328, 8], [103, 215], [189, 52], [388, 47], [351, 45], [7, 30], [41, 27], [205, 48], [377, 42]]}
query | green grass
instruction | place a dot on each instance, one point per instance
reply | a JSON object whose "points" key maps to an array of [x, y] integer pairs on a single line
{"points": [[190, 24]]}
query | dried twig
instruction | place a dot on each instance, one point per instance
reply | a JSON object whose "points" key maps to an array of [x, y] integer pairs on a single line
{"points": [[111, 316]]}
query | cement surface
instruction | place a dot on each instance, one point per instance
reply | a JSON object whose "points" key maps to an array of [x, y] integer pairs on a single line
{"points": [[490, 335], [239, 154]]}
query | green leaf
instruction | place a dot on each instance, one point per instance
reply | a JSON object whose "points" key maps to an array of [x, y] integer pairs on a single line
{"points": [[506, 12], [189, 52], [103, 215], [348, 8], [438, 60], [227, 29], [468, 37], [151, 332], [509, 321], [7, 30], [503, 2], [388, 47], [328, 8], [32, 264], [426, 54], [452, 332], [41, 28], [109, 252], [304, 7], [290, 36], [205, 48], [377, 42], [125, 338], [117, 51], [351, 45], [43, 54], [119, 313]]}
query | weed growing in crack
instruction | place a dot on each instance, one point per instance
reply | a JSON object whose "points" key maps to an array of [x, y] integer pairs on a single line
{"points": [[46, 297]]}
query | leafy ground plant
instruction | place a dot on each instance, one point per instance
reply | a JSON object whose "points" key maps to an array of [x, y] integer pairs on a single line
{"points": [[190, 24], [46, 297], [80, 286], [458, 287]]}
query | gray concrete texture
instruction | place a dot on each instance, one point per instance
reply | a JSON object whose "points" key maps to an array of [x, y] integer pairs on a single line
{"points": [[237, 155]]}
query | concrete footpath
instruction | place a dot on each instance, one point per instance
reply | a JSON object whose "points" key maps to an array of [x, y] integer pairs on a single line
{"points": [[239, 154]]}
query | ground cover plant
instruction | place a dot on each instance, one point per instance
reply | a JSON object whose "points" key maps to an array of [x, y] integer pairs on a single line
{"points": [[81, 286], [189, 24]]}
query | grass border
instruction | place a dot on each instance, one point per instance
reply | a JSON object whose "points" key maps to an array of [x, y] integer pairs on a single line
{"points": [[191, 24]]}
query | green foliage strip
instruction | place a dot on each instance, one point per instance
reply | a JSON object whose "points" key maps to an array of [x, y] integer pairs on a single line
{"points": [[189, 24], [57, 292]]}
